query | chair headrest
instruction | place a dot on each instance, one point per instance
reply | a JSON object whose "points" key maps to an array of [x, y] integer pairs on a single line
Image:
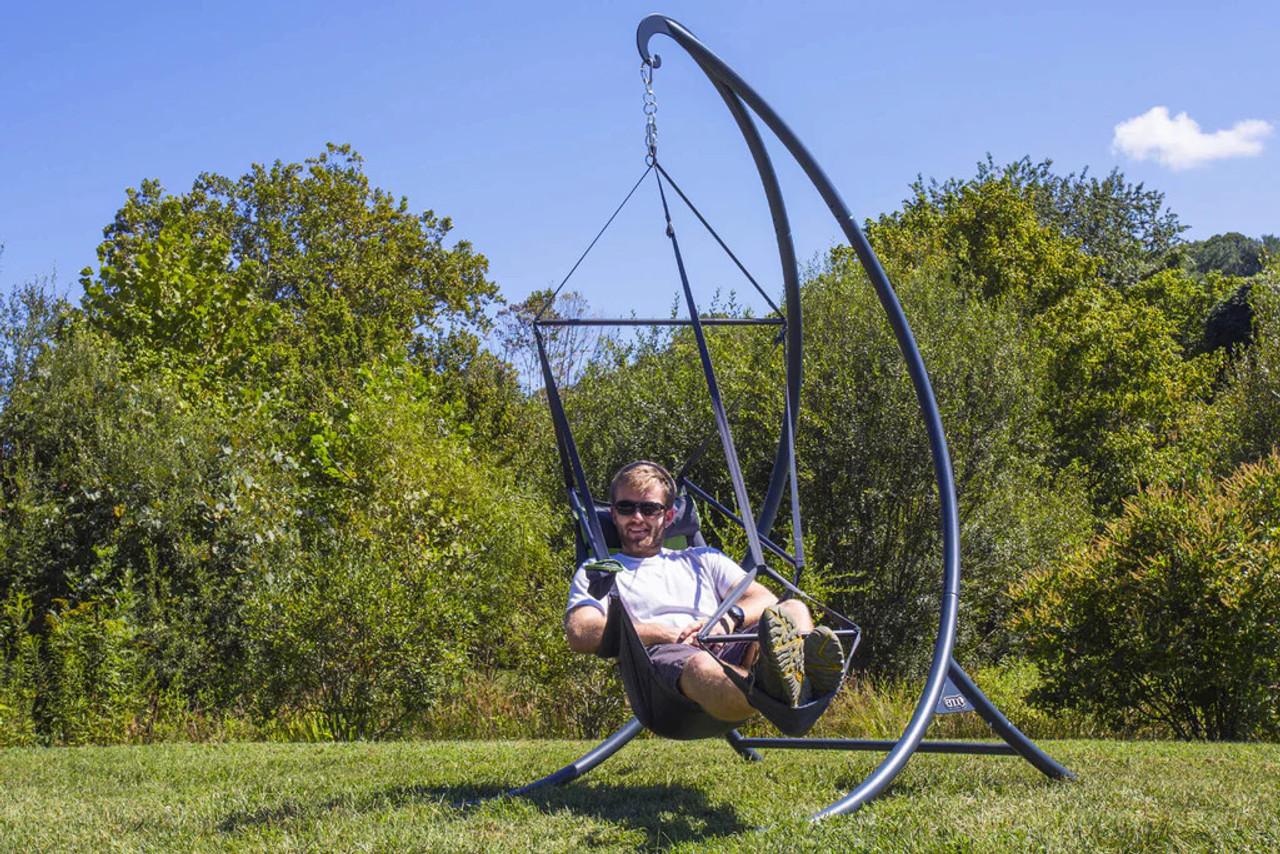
{"points": [[684, 524]]}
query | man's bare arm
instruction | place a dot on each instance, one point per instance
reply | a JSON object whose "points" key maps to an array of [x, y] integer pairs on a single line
{"points": [[584, 627], [753, 602]]}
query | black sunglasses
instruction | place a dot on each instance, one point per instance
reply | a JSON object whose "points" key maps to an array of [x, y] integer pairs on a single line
{"points": [[647, 508]]}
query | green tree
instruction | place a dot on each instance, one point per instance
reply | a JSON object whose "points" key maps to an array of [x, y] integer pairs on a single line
{"points": [[296, 269], [487, 401], [29, 322], [870, 499], [1193, 305], [569, 348], [1123, 403], [1250, 404], [1231, 254], [992, 231], [1125, 378], [1126, 227]]}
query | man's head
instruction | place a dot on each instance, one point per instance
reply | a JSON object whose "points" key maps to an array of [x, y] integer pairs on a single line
{"points": [[641, 497]]}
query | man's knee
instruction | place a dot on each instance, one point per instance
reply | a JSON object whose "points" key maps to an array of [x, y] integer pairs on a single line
{"points": [[700, 669], [705, 682], [798, 612]]}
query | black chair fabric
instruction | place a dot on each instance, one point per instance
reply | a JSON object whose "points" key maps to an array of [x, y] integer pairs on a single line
{"points": [[664, 711]]}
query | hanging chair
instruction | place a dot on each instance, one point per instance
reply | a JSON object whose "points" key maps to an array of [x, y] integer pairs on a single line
{"points": [[660, 707], [656, 705]]}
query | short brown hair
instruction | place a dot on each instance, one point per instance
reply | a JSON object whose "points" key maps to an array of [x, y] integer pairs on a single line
{"points": [[639, 475]]}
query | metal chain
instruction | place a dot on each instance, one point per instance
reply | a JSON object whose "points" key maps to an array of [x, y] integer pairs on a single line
{"points": [[650, 115]]}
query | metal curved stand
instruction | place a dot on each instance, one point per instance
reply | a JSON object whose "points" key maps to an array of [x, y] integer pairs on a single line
{"points": [[603, 751], [944, 673], [586, 762], [736, 92]]}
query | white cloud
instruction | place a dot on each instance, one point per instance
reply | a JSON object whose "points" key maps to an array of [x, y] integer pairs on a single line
{"points": [[1179, 143]]}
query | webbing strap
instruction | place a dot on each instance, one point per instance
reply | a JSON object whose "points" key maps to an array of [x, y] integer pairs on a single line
{"points": [[796, 532], [755, 553], [723, 245], [732, 407], [574, 475], [592, 245]]}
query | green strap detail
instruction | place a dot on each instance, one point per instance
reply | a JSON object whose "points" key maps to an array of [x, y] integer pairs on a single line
{"points": [[606, 565]]}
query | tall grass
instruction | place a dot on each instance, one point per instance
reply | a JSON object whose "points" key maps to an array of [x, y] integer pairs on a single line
{"points": [[867, 709], [506, 704], [496, 705]]}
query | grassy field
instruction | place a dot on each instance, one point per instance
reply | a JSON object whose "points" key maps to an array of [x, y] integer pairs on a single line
{"points": [[654, 795]]}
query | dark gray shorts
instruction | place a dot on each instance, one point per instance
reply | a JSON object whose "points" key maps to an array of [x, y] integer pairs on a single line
{"points": [[668, 658]]}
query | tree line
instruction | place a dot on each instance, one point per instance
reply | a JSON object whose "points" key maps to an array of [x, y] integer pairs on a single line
{"points": [[277, 474]]}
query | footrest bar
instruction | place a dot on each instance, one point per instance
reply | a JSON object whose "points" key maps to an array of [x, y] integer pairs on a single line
{"points": [[979, 748]]}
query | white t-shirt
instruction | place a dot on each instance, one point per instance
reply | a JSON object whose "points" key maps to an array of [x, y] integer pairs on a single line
{"points": [[673, 588]]}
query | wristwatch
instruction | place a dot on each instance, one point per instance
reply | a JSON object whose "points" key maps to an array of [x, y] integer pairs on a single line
{"points": [[735, 613]]}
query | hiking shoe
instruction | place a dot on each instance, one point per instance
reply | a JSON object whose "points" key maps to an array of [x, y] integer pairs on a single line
{"points": [[780, 669], [823, 661]]}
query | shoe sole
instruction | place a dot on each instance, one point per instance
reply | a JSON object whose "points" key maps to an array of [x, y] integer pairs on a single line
{"points": [[823, 661], [782, 657]]}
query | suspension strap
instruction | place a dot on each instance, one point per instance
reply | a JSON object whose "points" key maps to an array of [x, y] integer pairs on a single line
{"points": [[592, 245], [754, 550], [750, 278], [584, 507], [796, 532]]}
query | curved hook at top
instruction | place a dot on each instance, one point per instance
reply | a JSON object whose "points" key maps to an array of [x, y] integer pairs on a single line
{"points": [[650, 27]]}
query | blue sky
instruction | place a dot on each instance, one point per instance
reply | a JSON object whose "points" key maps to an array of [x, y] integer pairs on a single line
{"points": [[523, 122]]}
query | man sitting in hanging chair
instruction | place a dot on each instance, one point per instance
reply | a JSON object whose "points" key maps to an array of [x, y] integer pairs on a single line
{"points": [[670, 594]]}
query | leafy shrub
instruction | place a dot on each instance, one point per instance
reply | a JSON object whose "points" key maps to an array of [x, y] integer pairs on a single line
{"points": [[115, 484], [1251, 403], [19, 672], [94, 681], [407, 562], [1172, 615]]}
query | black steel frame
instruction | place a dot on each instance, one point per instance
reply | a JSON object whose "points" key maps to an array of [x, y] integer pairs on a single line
{"points": [[738, 96]]}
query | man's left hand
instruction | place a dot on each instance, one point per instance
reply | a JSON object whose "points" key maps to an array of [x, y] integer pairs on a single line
{"points": [[690, 632]]}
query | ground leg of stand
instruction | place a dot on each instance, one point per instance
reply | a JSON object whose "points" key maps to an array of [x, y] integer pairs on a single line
{"points": [[1003, 728], [577, 768], [735, 741]]}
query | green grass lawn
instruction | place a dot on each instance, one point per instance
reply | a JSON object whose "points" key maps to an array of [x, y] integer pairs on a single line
{"points": [[654, 795]]}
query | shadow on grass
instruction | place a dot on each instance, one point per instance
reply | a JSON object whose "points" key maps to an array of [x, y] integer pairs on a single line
{"points": [[666, 815]]}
